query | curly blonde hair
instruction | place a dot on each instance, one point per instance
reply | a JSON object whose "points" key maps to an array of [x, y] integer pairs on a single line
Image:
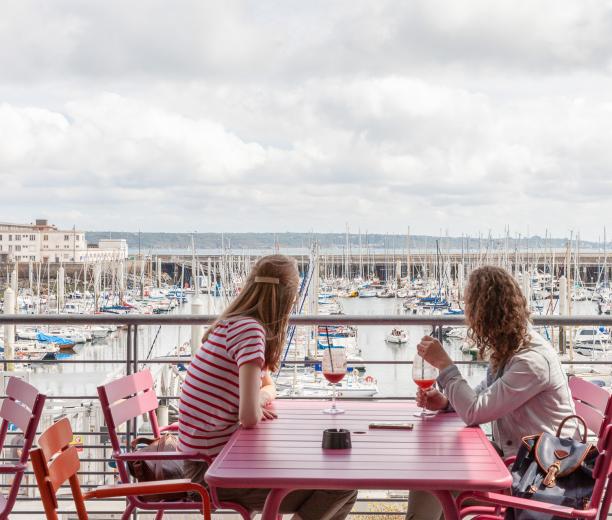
{"points": [[497, 315]]}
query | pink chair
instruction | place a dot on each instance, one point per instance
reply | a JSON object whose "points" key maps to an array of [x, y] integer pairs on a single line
{"points": [[594, 405], [130, 397], [55, 461], [22, 407]]}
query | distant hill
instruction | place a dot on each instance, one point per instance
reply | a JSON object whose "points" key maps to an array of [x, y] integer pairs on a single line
{"points": [[258, 241]]}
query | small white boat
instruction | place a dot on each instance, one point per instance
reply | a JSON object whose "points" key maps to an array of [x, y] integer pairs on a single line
{"points": [[70, 334], [456, 332], [367, 293], [592, 338], [350, 386], [397, 336], [98, 331], [27, 334]]}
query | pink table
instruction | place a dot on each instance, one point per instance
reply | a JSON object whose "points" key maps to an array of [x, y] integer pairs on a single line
{"points": [[439, 455]]}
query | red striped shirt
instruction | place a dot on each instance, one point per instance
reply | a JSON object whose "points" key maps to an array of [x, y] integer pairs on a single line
{"points": [[208, 407]]}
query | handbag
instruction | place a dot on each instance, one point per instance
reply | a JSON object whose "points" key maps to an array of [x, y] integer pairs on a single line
{"points": [[149, 470], [552, 469]]}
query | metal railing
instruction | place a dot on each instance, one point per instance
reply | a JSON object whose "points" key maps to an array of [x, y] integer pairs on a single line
{"points": [[132, 363]]}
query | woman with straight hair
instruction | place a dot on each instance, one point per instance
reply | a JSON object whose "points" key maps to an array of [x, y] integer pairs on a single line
{"points": [[525, 391], [228, 385]]}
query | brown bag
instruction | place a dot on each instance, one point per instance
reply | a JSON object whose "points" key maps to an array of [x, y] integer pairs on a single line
{"points": [[149, 470]]}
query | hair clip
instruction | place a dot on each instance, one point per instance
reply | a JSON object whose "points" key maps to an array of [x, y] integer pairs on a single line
{"points": [[267, 279]]}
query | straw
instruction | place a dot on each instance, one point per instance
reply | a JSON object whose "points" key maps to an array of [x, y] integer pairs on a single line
{"points": [[329, 346]]}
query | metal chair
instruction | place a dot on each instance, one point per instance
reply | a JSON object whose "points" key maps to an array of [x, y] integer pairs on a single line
{"points": [[125, 399], [594, 405], [55, 461], [22, 407]]}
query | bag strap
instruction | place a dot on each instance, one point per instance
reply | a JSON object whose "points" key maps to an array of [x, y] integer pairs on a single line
{"points": [[580, 420], [142, 440]]}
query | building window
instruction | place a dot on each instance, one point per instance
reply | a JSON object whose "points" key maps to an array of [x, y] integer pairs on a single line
{"points": [[78, 237], [66, 237], [17, 248], [32, 237], [17, 237], [45, 237]]}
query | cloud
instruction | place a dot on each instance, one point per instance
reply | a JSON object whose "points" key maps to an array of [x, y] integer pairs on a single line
{"points": [[293, 115]]}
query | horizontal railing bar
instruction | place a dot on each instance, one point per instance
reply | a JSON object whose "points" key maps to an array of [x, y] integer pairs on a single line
{"points": [[281, 397], [290, 363], [65, 361], [344, 319]]}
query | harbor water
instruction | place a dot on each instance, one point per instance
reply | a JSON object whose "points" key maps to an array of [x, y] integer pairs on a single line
{"points": [[393, 380]]}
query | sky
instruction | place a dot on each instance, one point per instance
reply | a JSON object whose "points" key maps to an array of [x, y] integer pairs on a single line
{"points": [[446, 117]]}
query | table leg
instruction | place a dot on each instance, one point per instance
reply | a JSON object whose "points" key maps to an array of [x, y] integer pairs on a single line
{"points": [[273, 502], [449, 505]]}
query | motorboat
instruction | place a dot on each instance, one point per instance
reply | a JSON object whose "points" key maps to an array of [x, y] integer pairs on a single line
{"points": [[397, 336]]}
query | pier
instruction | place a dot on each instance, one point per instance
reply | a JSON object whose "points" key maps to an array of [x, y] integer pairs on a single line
{"points": [[590, 266]]}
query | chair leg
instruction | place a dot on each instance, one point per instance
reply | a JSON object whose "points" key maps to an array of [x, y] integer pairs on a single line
{"points": [[128, 512]]}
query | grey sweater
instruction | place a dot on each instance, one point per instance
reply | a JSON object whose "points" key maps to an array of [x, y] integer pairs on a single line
{"points": [[531, 396]]}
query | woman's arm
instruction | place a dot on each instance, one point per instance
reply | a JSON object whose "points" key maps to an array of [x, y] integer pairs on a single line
{"points": [[249, 409], [521, 381]]}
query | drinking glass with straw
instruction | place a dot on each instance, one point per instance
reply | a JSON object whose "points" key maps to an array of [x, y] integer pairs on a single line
{"points": [[334, 370]]}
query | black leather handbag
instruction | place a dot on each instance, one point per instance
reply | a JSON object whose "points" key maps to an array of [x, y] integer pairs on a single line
{"points": [[555, 470]]}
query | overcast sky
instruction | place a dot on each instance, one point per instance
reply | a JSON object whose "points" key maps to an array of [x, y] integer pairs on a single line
{"points": [[445, 116]]}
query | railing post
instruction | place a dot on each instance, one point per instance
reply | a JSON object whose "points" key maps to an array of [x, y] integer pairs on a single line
{"points": [[9, 330], [134, 370], [562, 312], [128, 371]]}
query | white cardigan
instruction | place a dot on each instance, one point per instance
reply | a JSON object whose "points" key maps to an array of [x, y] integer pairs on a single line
{"points": [[531, 396]]}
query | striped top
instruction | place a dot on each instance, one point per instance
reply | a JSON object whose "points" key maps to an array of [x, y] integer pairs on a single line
{"points": [[208, 406]]}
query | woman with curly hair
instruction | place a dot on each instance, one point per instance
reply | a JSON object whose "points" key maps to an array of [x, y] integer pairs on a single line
{"points": [[525, 391]]}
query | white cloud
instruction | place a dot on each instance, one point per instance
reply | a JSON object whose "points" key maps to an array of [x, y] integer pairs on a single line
{"points": [[297, 116]]}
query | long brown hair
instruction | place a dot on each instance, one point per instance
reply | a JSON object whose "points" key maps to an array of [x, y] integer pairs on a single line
{"points": [[497, 315], [269, 303]]}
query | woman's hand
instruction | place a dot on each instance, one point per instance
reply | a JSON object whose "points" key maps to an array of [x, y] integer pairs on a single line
{"points": [[267, 414], [431, 350], [432, 399]]}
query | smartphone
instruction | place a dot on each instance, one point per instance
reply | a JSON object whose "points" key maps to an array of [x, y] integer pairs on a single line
{"points": [[390, 426]]}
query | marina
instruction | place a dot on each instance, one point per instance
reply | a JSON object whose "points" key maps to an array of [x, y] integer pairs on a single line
{"points": [[307, 260]]}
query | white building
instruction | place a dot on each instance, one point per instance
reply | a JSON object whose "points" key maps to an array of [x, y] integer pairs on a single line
{"points": [[41, 242]]}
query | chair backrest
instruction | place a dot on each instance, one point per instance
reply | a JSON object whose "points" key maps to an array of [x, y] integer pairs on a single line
{"points": [[123, 400], [602, 491], [592, 403], [22, 407], [54, 462]]}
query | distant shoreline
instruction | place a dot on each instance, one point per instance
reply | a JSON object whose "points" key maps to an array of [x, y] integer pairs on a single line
{"points": [[299, 243]]}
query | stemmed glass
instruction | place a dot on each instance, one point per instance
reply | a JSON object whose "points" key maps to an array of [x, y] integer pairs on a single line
{"points": [[334, 370], [424, 375]]}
